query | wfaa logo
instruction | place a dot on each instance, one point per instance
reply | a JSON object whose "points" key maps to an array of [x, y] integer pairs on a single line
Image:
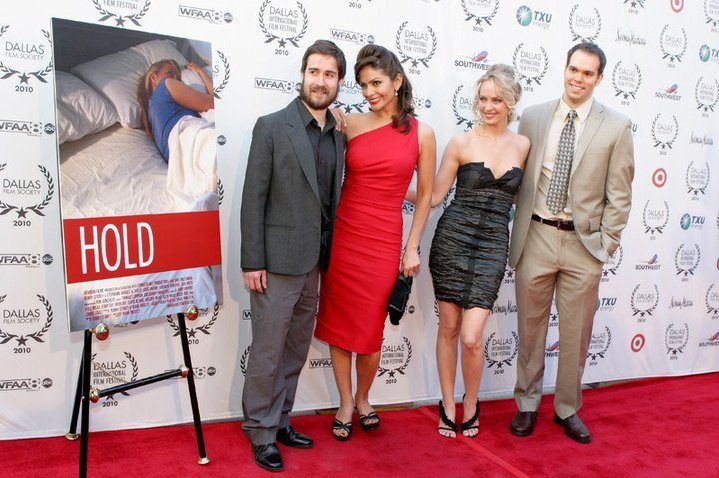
{"points": [[697, 178], [284, 22], [673, 44], [203, 14], [711, 13], [480, 12], [462, 100], [706, 94], [664, 133], [669, 93], [25, 384], [358, 38], [30, 261], [531, 63], [711, 300], [612, 265], [535, 18], [25, 194], [477, 61], [112, 370], [708, 53], [350, 99], [676, 340], [207, 317], [23, 325], [27, 58], [26, 128], [220, 75], [655, 218], [688, 221], [626, 81], [394, 360], [415, 46], [121, 11], [500, 351], [686, 260], [585, 23], [275, 84], [599, 346], [319, 362], [634, 5], [644, 301], [652, 264]]}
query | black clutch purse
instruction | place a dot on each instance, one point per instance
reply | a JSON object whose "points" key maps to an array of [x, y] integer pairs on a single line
{"points": [[398, 299]]}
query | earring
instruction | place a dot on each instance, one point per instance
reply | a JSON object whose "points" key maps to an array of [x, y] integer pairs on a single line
{"points": [[395, 92]]}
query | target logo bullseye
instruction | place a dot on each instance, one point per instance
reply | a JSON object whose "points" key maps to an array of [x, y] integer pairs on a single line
{"points": [[637, 343], [659, 177], [677, 5]]}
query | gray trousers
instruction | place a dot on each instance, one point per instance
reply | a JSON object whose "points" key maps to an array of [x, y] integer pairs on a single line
{"points": [[283, 320]]}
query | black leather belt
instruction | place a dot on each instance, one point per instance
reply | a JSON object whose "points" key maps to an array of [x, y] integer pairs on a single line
{"points": [[561, 225]]}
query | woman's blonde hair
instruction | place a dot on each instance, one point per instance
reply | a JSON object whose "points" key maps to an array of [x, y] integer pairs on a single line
{"points": [[505, 80], [144, 91]]}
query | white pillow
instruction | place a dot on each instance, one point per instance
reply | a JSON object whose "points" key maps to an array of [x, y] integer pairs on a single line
{"points": [[193, 80], [80, 109], [117, 75]]}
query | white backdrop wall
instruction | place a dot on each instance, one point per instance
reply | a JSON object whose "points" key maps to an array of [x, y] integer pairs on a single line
{"points": [[658, 308]]}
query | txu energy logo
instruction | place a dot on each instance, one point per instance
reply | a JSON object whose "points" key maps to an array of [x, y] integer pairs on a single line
{"points": [[707, 53], [536, 18]]}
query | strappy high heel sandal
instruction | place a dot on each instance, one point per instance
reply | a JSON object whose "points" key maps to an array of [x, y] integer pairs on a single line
{"points": [[468, 424], [338, 426], [447, 424], [369, 421]]}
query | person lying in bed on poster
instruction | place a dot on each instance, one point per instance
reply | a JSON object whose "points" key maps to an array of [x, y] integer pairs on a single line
{"points": [[164, 99]]}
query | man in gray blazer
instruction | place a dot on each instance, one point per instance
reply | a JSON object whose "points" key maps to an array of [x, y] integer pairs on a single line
{"points": [[572, 207], [291, 191]]}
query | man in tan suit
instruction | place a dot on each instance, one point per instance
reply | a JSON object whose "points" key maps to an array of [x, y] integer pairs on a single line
{"points": [[572, 207]]}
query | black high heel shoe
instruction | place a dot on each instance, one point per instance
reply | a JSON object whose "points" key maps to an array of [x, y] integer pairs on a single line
{"points": [[468, 424], [447, 424]]}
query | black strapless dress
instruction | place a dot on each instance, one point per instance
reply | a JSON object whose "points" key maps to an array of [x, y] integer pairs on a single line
{"points": [[471, 242]]}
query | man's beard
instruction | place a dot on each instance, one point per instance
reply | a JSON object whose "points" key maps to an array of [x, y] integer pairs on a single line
{"points": [[317, 105]]}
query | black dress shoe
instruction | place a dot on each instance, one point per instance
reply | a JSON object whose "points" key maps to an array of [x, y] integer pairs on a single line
{"points": [[289, 437], [522, 425], [574, 428], [268, 457]]}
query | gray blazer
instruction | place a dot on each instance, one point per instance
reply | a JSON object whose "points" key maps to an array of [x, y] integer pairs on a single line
{"points": [[600, 182], [281, 215]]}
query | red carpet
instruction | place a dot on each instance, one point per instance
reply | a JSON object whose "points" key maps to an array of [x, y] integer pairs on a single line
{"points": [[650, 428]]}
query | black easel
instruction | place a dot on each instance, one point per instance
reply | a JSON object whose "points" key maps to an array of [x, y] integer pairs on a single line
{"points": [[84, 394]]}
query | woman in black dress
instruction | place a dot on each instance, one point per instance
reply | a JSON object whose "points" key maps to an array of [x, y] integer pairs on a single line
{"points": [[469, 249]]}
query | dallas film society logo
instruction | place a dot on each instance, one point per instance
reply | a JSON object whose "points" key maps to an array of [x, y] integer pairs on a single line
{"points": [[500, 351], [284, 22], [26, 128], [32, 194], [204, 14], [350, 99], [121, 11], [599, 346], [480, 12], [673, 44], [664, 132], [462, 107], [27, 58], [243, 361], [612, 265], [655, 218], [711, 13], [686, 260], [676, 339], [626, 80], [634, 5], [535, 18], [207, 317], [33, 384], [112, 370], [706, 94], [585, 23], [697, 178], [711, 300], [644, 301], [24, 325], [415, 46], [220, 74], [32, 261], [531, 63], [394, 360]]}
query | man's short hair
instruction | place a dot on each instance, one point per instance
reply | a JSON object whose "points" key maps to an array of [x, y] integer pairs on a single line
{"points": [[326, 47], [592, 49]]}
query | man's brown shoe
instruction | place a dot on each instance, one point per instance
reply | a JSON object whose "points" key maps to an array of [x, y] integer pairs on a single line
{"points": [[522, 425]]}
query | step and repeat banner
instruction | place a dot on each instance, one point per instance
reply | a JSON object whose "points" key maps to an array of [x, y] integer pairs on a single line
{"points": [[66, 106]]}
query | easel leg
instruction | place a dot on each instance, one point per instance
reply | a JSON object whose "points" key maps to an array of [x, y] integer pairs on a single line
{"points": [[193, 393], [72, 433], [85, 425]]}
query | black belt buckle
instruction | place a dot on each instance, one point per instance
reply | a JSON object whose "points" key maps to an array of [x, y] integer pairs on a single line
{"points": [[559, 224]]}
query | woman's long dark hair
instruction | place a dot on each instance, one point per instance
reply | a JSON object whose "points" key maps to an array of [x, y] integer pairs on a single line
{"points": [[380, 58]]}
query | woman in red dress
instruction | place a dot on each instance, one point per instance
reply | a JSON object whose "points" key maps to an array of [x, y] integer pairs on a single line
{"points": [[384, 148]]}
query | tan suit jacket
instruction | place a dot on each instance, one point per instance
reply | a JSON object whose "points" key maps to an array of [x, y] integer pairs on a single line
{"points": [[600, 181]]}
